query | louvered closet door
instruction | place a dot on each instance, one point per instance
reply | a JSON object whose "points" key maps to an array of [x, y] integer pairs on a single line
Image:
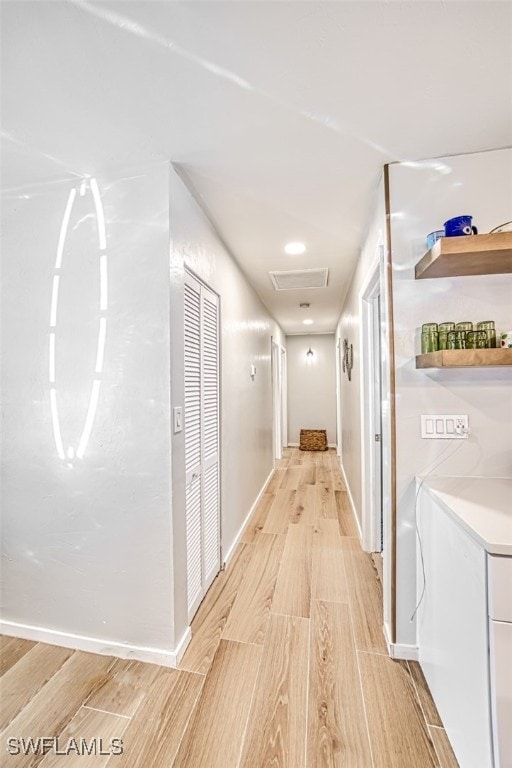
{"points": [[193, 442], [210, 435], [201, 439]]}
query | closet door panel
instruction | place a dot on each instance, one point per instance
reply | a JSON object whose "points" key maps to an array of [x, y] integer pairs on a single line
{"points": [[202, 497], [192, 306], [210, 429]]}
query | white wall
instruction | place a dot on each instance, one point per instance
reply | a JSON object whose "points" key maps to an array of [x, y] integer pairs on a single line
{"points": [[86, 543], [423, 195], [349, 327], [311, 385], [93, 548], [246, 405]]}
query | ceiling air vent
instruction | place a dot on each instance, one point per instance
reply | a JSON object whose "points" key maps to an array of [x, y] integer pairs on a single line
{"points": [[296, 279]]}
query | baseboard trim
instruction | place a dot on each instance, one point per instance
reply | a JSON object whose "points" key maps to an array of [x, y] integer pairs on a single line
{"points": [[182, 646], [231, 550], [160, 656], [400, 650], [352, 505]]}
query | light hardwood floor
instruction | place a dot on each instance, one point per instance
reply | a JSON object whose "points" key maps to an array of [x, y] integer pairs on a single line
{"points": [[287, 667]]}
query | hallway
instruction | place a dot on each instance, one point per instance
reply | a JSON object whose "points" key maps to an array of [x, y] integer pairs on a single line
{"points": [[287, 665]]}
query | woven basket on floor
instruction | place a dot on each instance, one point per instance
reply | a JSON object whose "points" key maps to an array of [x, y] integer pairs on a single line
{"points": [[313, 440]]}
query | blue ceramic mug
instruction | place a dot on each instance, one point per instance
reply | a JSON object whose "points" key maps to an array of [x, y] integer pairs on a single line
{"points": [[458, 226]]}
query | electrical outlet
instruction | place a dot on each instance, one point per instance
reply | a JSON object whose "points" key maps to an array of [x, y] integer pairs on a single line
{"points": [[445, 427], [462, 425]]}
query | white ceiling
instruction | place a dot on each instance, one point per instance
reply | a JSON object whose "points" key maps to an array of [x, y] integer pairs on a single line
{"points": [[282, 114]]}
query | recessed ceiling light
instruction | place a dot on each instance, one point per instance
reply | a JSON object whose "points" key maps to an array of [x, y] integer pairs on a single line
{"points": [[294, 249], [307, 322]]}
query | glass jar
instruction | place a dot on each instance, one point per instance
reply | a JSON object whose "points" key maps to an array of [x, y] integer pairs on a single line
{"points": [[442, 341], [466, 326], [445, 327], [429, 327], [489, 327], [476, 340], [456, 340], [429, 342], [450, 340]]}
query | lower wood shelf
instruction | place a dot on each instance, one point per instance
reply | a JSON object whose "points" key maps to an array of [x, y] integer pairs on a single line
{"points": [[464, 358]]}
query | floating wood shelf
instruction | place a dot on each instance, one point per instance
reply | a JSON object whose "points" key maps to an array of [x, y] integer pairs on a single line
{"points": [[464, 358], [469, 255]]}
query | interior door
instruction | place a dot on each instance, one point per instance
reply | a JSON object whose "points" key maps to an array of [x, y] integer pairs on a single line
{"points": [[284, 400], [377, 422], [339, 368], [277, 400], [202, 506], [210, 436]]}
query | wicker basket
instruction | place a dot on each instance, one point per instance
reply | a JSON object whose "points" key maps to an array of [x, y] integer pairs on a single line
{"points": [[313, 440]]}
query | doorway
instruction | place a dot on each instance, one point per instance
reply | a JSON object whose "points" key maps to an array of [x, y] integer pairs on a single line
{"points": [[371, 411], [284, 400], [339, 365], [202, 466], [279, 429]]}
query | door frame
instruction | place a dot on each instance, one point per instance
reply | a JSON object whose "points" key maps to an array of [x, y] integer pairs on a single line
{"points": [[277, 400], [371, 411], [284, 398], [339, 354]]}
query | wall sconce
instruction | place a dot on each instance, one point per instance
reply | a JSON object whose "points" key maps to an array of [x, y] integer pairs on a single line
{"points": [[309, 353]]}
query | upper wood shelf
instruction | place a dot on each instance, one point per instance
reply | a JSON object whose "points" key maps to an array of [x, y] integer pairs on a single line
{"points": [[464, 358], [470, 255]]}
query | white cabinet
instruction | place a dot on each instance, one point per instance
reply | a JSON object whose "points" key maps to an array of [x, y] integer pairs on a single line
{"points": [[452, 633], [465, 615], [499, 572]]}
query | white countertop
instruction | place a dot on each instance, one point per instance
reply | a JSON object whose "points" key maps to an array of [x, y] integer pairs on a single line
{"points": [[482, 506]]}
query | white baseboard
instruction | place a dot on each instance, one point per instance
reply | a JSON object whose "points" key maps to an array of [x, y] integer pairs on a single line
{"points": [[231, 550], [352, 505], [400, 650], [162, 657], [182, 646]]}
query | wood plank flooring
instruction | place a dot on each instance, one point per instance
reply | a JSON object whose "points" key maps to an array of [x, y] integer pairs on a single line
{"points": [[287, 667]]}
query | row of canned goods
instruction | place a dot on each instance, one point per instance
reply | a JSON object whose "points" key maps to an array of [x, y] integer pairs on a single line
{"points": [[464, 335]]}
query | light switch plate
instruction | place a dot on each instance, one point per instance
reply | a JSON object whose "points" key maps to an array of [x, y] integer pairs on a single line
{"points": [[445, 427], [177, 419]]}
